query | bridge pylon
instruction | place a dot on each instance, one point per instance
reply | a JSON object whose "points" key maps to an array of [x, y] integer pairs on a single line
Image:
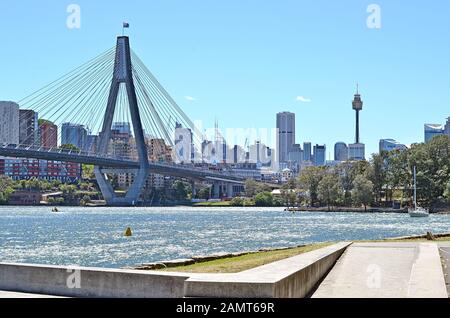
{"points": [[123, 74]]}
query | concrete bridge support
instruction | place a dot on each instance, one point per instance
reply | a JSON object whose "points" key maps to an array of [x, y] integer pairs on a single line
{"points": [[215, 191], [230, 192], [193, 190]]}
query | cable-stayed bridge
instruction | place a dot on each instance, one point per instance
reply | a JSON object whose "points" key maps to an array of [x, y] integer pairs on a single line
{"points": [[115, 87]]}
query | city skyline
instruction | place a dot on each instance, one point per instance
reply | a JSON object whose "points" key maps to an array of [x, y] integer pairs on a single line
{"points": [[316, 81]]}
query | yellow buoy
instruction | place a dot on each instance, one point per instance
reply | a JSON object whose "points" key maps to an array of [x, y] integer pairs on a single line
{"points": [[128, 232]]}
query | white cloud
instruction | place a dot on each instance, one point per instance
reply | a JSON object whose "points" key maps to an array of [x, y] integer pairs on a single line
{"points": [[303, 99], [190, 98]]}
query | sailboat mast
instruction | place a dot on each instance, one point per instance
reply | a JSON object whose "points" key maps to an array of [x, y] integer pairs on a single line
{"points": [[415, 189]]}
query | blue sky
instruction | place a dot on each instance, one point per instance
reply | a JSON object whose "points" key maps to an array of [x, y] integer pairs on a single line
{"points": [[245, 60]]}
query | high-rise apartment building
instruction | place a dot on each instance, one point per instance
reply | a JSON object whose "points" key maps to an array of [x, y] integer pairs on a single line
{"points": [[48, 134], [184, 147], [9, 123], [28, 128]]}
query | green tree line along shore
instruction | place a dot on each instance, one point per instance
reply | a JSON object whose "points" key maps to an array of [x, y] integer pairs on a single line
{"points": [[385, 178]]}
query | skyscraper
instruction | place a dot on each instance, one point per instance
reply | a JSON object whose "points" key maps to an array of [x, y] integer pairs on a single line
{"points": [[73, 134], [447, 127], [9, 123], [286, 134], [340, 151], [433, 130], [184, 147], [357, 150], [28, 128], [320, 155], [390, 145], [307, 151]]}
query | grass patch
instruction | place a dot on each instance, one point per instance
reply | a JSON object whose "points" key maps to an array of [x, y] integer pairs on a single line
{"points": [[244, 262]]}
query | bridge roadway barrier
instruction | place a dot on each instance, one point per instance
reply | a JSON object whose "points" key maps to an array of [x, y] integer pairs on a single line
{"points": [[292, 277]]}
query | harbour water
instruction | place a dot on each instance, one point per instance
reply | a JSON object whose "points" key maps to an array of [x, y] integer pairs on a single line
{"points": [[94, 236]]}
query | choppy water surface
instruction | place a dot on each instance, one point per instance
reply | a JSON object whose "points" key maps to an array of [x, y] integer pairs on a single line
{"points": [[94, 236]]}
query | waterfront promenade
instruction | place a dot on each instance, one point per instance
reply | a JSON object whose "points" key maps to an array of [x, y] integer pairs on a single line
{"points": [[349, 270]]}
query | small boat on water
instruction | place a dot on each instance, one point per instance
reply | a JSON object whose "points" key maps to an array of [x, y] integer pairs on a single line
{"points": [[417, 211], [55, 209]]}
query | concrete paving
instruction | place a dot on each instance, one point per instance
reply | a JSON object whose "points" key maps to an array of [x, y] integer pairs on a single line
{"points": [[444, 250], [7, 294], [386, 270]]}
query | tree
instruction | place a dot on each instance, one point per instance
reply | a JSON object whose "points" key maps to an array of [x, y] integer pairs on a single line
{"points": [[447, 192], [329, 190], [264, 199], [203, 193], [237, 202], [252, 188], [85, 200], [69, 147], [362, 192], [87, 171], [180, 190], [68, 191], [309, 182], [377, 173], [6, 188]]}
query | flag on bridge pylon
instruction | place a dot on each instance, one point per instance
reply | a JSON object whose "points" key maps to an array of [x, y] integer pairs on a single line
{"points": [[126, 25]]}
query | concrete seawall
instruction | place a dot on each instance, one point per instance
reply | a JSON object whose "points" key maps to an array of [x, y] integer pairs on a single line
{"points": [[93, 282], [291, 277]]}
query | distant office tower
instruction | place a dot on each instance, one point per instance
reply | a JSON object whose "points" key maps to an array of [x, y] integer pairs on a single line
{"points": [[122, 127], [286, 134], [447, 127], [390, 145], [296, 154], [356, 151], [28, 128], [238, 154], [91, 143], [307, 151], [73, 134], [49, 134], [433, 130], [319, 155], [9, 123], [340, 151], [184, 147], [260, 154]]}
